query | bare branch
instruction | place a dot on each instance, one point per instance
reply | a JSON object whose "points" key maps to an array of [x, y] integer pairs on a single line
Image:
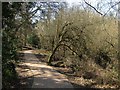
{"points": [[99, 11], [111, 7], [110, 43], [93, 7]]}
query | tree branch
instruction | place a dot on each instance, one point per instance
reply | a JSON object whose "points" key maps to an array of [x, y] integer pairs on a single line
{"points": [[111, 7], [99, 11], [110, 43], [93, 7]]}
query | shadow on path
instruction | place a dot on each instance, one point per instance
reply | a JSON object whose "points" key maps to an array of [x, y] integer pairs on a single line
{"points": [[33, 73], [36, 74]]}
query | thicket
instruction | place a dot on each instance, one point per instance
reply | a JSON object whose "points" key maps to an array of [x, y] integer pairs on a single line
{"points": [[14, 29], [77, 36], [34, 41]]}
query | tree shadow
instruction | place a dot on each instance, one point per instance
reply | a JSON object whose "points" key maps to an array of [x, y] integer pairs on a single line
{"points": [[54, 80], [47, 78], [41, 57]]}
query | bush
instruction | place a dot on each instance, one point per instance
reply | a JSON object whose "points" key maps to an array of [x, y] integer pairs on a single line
{"points": [[34, 41], [102, 58], [9, 75]]}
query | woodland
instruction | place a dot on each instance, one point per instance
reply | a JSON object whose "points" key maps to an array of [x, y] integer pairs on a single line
{"points": [[83, 38]]}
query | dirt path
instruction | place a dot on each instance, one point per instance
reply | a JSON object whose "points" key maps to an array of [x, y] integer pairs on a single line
{"points": [[36, 74]]}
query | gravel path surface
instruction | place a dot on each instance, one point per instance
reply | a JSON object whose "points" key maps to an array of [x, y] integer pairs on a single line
{"points": [[36, 74]]}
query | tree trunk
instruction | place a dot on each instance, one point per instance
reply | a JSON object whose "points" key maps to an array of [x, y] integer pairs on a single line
{"points": [[50, 58]]}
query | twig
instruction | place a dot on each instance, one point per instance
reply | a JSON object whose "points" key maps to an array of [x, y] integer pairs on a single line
{"points": [[93, 7], [111, 7], [99, 11]]}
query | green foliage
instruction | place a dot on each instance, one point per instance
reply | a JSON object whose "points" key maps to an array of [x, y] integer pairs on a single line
{"points": [[10, 41], [9, 75], [74, 33], [34, 40]]}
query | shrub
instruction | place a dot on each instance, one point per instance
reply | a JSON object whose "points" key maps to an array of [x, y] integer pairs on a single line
{"points": [[34, 41]]}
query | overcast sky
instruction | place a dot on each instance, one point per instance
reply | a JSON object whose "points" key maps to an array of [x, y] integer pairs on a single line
{"points": [[92, 2], [77, 1], [104, 6]]}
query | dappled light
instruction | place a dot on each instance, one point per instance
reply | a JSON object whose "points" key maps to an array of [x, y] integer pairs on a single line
{"points": [[60, 45], [44, 76]]}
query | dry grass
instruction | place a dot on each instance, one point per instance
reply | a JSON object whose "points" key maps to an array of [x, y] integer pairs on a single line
{"points": [[92, 75], [89, 75]]}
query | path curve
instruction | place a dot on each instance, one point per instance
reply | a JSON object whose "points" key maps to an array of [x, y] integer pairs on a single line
{"points": [[39, 74]]}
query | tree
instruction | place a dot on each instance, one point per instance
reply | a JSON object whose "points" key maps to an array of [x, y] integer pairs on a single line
{"points": [[9, 40], [49, 22], [112, 5], [11, 12]]}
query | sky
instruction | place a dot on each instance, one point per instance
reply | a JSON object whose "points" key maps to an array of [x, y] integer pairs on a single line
{"points": [[103, 10], [91, 1], [105, 7], [77, 1]]}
